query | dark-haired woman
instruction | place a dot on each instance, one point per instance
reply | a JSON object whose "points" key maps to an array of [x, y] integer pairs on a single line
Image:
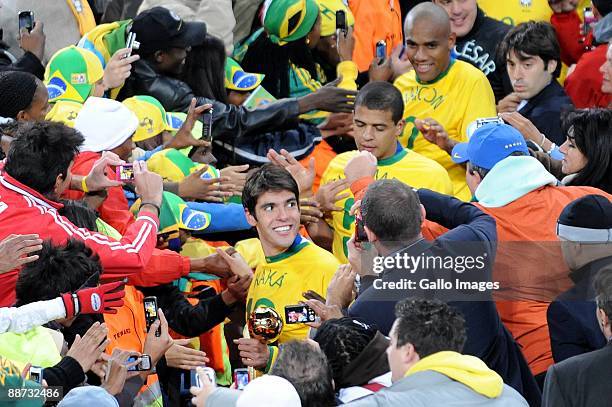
{"points": [[588, 148], [585, 158]]}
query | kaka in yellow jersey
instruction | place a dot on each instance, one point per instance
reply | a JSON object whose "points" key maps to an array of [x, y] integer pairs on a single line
{"points": [[452, 93], [292, 264]]}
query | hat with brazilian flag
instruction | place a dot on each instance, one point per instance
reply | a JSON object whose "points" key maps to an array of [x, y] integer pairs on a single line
{"points": [[237, 79], [289, 20], [72, 73], [173, 166], [328, 15], [64, 111], [152, 117], [176, 214]]}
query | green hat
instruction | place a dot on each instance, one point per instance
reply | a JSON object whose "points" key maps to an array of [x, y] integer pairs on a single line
{"points": [[72, 73], [289, 20], [237, 79]]}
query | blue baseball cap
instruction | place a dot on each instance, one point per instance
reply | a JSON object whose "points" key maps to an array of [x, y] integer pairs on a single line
{"points": [[489, 145]]}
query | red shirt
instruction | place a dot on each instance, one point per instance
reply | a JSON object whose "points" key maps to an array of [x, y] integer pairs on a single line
{"points": [[583, 86]]}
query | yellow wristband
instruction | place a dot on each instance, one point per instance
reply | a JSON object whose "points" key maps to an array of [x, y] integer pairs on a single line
{"points": [[84, 184]]}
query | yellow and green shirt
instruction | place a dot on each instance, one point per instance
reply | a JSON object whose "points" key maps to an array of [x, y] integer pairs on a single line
{"points": [[406, 166], [456, 98], [514, 12], [281, 280]]}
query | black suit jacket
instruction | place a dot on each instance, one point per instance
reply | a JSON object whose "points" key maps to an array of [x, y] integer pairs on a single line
{"points": [[581, 381]]}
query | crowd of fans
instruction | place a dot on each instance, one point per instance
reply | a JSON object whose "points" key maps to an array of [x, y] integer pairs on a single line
{"points": [[306, 203]]}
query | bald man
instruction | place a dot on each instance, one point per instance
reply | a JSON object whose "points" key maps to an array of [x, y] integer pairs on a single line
{"points": [[442, 95]]}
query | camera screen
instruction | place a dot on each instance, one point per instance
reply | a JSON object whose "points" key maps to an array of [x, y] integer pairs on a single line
{"points": [[25, 21], [242, 379], [150, 309], [125, 172], [299, 314]]}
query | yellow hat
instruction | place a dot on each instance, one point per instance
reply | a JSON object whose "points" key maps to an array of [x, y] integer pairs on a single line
{"points": [[152, 117], [328, 10], [64, 111], [174, 166]]}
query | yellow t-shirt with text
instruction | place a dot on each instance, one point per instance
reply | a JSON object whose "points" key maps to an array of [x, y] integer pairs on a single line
{"points": [[514, 12], [281, 280], [406, 166], [456, 98]]}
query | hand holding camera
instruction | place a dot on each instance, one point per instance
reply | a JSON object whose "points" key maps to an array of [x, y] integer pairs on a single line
{"points": [[31, 34]]}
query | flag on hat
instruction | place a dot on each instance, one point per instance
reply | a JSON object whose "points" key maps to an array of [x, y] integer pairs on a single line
{"points": [[152, 117], [175, 214], [72, 73], [237, 79], [289, 20]]}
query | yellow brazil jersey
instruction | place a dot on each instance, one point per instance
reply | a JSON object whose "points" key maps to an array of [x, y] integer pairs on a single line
{"points": [[514, 12], [407, 166], [456, 98], [281, 280]]}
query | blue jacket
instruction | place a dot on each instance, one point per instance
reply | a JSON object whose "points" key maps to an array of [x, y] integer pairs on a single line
{"points": [[472, 232]]}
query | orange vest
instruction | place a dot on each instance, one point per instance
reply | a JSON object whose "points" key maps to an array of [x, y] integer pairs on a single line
{"points": [[127, 328], [375, 20]]}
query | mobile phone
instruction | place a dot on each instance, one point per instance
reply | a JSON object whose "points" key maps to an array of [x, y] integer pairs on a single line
{"points": [[26, 20], [360, 233], [145, 363], [341, 22], [589, 20], [241, 378], [299, 314], [125, 172], [36, 374], [209, 371], [381, 49], [488, 120], [207, 119], [131, 43], [150, 309]]}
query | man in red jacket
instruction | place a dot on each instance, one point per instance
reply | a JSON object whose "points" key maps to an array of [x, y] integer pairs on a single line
{"points": [[36, 172]]}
